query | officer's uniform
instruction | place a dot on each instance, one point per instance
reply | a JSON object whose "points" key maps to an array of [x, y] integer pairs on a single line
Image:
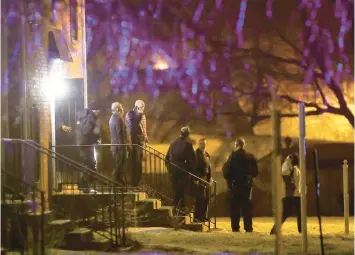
{"points": [[238, 171]]}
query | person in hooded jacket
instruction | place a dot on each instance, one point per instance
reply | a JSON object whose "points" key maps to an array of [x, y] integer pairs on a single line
{"points": [[88, 128], [239, 171]]}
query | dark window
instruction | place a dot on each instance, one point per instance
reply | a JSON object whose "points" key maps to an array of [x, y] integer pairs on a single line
{"points": [[74, 19]]}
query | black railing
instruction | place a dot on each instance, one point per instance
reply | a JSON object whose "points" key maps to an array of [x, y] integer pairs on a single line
{"points": [[154, 176], [100, 209], [22, 215]]}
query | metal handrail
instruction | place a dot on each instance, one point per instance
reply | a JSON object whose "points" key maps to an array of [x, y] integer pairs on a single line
{"points": [[74, 164], [161, 156], [35, 189]]}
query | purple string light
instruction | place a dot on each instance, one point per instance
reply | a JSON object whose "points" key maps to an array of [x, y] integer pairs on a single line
{"points": [[240, 22]]}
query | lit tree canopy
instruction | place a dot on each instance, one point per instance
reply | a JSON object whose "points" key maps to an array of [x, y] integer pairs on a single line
{"points": [[242, 48]]}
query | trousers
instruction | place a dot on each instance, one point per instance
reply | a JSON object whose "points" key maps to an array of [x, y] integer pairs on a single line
{"points": [[290, 206], [240, 203]]}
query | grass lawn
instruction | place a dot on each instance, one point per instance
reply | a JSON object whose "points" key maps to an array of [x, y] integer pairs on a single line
{"points": [[222, 240]]}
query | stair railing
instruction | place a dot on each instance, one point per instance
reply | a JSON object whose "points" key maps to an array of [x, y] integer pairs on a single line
{"points": [[21, 204], [101, 210], [153, 173]]}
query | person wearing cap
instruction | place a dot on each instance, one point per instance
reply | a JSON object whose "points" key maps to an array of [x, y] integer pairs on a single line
{"points": [[238, 171], [182, 157], [137, 131], [88, 128], [118, 134], [291, 203]]}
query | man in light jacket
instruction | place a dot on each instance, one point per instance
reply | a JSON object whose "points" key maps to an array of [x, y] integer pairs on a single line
{"points": [[291, 203]]}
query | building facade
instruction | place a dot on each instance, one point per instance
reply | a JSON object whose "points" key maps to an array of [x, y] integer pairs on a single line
{"points": [[42, 42]]}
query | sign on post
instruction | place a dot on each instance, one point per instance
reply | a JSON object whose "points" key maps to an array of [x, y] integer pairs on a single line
{"points": [[302, 155], [346, 195]]}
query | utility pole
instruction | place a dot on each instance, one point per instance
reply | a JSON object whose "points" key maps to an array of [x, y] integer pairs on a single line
{"points": [[84, 59], [276, 174], [302, 155]]}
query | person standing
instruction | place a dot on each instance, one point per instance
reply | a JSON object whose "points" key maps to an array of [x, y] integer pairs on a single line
{"points": [[203, 171], [89, 128], [291, 203], [137, 131], [180, 157], [118, 134], [238, 171]]}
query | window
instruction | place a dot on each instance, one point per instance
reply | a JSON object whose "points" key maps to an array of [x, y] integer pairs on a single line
{"points": [[73, 19]]}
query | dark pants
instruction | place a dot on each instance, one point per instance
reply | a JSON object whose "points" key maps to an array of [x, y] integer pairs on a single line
{"points": [[240, 202], [119, 170], [88, 159], [201, 203], [290, 206], [137, 158], [178, 183]]}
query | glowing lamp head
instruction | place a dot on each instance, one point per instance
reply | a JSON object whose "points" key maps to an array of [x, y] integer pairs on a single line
{"points": [[54, 85]]}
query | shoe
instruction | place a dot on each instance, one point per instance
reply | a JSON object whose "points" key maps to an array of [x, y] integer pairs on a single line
{"points": [[235, 230], [249, 231]]}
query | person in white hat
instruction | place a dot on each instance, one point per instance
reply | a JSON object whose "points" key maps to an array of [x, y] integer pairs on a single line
{"points": [[137, 131]]}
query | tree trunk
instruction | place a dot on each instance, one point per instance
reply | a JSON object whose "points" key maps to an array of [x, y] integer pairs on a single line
{"points": [[348, 115]]}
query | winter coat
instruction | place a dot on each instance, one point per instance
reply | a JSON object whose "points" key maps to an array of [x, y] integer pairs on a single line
{"points": [[182, 154], [118, 131]]}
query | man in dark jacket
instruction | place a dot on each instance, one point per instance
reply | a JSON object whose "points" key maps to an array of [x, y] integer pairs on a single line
{"points": [[118, 134], [238, 171], [88, 127], [182, 156], [137, 131], [203, 171]]}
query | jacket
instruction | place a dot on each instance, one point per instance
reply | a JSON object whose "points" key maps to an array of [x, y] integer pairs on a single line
{"points": [[240, 168], [182, 154], [88, 128], [203, 169], [118, 131], [136, 126]]}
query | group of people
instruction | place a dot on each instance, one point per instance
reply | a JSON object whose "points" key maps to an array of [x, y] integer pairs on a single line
{"points": [[124, 130], [186, 166], [239, 171]]}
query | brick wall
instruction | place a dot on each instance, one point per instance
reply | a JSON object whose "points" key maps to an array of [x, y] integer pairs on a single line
{"points": [[36, 72]]}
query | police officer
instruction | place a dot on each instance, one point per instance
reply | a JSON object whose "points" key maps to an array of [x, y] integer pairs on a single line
{"points": [[182, 156], [238, 171], [88, 136]]}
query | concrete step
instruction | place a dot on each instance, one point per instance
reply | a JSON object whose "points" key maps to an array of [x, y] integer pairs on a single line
{"points": [[148, 204], [14, 206], [34, 218], [78, 239], [160, 217], [196, 227], [100, 243]]}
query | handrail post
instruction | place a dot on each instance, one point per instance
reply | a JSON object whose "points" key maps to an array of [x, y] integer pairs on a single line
{"points": [[346, 195], [215, 202], [42, 223]]}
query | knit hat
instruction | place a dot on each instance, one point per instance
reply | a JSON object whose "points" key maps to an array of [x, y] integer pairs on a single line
{"points": [[185, 131], [93, 106]]}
